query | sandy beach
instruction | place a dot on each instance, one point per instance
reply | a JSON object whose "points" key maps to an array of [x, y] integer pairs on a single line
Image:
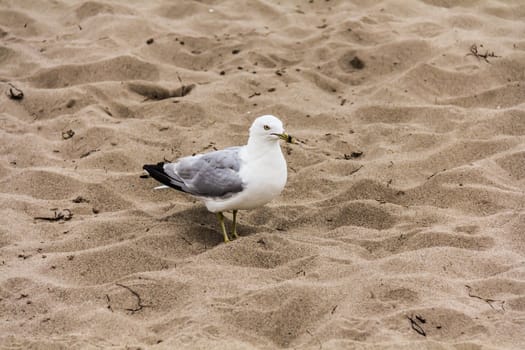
{"points": [[402, 225]]}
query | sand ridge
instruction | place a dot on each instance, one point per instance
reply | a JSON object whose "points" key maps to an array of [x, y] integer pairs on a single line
{"points": [[401, 225]]}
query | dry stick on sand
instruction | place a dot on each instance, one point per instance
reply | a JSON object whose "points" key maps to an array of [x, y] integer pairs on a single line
{"points": [[356, 170], [415, 326], [434, 174], [184, 90], [140, 306], [185, 240], [487, 300], [57, 217], [84, 155], [109, 302], [317, 339], [474, 52]]}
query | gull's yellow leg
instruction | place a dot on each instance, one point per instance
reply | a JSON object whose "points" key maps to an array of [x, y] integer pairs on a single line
{"points": [[234, 227], [220, 217]]}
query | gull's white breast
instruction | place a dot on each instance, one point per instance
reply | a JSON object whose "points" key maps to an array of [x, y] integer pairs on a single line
{"points": [[263, 176]]}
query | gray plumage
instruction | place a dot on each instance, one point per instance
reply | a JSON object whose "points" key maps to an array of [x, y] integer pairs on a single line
{"points": [[213, 174]]}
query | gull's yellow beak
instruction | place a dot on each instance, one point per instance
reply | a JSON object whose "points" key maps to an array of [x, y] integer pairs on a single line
{"points": [[284, 136]]}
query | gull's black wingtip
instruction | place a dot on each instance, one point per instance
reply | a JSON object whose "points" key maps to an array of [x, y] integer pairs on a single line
{"points": [[157, 172], [154, 167]]}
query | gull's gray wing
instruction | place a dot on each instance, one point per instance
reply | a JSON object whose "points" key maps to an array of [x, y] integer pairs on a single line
{"points": [[214, 174]]}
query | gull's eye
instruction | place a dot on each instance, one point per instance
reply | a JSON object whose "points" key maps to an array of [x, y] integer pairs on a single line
{"points": [[266, 127]]}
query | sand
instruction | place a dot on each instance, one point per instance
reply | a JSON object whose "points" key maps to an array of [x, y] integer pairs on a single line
{"points": [[402, 223]]}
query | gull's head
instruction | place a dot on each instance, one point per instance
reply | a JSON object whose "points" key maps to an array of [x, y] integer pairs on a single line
{"points": [[268, 128]]}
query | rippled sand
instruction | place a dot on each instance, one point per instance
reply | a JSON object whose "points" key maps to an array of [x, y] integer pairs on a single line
{"points": [[402, 223]]}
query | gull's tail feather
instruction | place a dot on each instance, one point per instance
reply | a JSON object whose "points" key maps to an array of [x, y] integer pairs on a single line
{"points": [[157, 172]]}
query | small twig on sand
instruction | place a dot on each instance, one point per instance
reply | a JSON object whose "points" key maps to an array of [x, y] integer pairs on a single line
{"points": [[434, 174], [185, 240], [84, 155], [474, 52], [317, 339], [66, 215], [421, 319], [180, 81], [356, 170], [140, 306], [415, 326], [109, 302], [184, 89], [487, 300]]}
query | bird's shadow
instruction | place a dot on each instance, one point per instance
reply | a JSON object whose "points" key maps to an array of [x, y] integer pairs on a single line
{"points": [[196, 224]]}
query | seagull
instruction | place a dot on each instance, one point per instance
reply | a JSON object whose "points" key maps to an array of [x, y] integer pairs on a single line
{"points": [[234, 178]]}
